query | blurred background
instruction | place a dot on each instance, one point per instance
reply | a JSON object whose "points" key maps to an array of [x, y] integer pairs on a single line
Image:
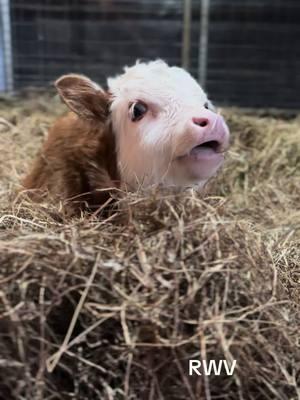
{"points": [[244, 52]]}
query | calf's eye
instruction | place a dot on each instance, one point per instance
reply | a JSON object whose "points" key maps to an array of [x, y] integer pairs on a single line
{"points": [[209, 106], [138, 110]]}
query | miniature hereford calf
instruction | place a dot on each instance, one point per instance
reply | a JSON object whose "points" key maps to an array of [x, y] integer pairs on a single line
{"points": [[153, 126]]}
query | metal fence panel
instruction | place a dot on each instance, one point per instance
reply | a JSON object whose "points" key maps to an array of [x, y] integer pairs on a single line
{"points": [[245, 51], [254, 52], [96, 38]]}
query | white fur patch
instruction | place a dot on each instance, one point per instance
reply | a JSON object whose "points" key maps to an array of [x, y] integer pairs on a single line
{"points": [[146, 148]]}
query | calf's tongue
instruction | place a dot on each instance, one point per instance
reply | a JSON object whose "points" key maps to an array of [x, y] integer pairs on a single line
{"points": [[202, 149]]}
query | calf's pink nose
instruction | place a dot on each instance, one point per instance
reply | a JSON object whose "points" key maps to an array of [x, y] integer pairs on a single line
{"points": [[207, 127], [203, 122]]}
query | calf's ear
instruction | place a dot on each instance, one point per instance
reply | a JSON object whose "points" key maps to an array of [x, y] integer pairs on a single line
{"points": [[83, 96]]}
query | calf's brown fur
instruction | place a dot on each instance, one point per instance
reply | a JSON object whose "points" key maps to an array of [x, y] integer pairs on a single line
{"points": [[78, 159]]}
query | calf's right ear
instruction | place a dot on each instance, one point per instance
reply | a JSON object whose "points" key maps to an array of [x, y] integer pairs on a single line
{"points": [[83, 96]]}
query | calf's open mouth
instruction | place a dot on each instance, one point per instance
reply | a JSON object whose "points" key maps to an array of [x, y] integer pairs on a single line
{"points": [[211, 145]]}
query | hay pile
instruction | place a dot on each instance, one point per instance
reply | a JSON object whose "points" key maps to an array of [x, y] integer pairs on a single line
{"points": [[94, 309]]}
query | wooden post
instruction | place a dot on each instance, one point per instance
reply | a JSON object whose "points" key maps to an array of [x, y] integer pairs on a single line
{"points": [[203, 42], [186, 34]]}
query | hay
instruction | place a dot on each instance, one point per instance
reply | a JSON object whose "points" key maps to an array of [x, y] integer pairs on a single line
{"points": [[114, 309]]}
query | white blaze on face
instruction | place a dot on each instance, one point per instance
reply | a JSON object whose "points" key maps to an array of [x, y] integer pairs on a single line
{"points": [[161, 119]]}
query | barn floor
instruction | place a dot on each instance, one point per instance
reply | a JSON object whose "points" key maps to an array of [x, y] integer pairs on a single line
{"points": [[94, 309]]}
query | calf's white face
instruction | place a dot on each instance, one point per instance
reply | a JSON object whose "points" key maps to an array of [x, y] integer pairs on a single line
{"points": [[166, 129]]}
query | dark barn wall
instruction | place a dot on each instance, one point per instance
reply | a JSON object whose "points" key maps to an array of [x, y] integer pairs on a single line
{"points": [[253, 53], [93, 37]]}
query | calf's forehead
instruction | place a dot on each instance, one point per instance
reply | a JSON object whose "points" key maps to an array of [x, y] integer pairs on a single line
{"points": [[156, 83]]}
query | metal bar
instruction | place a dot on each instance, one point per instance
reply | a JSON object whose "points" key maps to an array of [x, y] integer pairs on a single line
{"points": [[186, 34], [2, 68], [203, 42], [7, 47]]}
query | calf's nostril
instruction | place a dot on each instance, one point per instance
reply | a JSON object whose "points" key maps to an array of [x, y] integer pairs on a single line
{"points": [[203, 122]]}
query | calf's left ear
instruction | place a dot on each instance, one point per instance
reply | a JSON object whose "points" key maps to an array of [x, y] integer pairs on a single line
{"points": [[83, 96]]}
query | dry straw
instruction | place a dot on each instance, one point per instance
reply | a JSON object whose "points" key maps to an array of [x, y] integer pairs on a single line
{"points": [[114, 309]]}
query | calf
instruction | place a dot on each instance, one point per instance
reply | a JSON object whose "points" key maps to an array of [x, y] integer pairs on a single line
{"points": [[153, 126]]}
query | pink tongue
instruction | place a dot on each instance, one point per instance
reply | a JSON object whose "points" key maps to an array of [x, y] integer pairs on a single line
{"points": [[201, 150]]}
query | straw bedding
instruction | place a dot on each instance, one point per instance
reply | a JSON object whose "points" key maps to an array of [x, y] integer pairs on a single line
{"points": [[114, 307]]}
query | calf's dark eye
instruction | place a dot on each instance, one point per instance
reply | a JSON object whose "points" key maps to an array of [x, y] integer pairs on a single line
{"points": [[138, 110], [209, 106]]}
